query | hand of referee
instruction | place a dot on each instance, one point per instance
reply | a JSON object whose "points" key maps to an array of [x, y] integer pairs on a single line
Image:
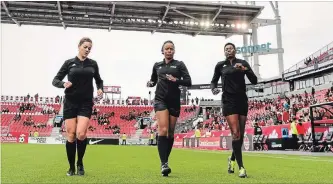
{"points": [[171, 78], [240, 66], [215, 91], [67, 84], [150, 84], [99, 92]]}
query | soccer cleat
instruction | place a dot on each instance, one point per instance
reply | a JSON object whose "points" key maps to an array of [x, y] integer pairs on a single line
{"points": [[80, 170], [70, 172], [231, 166], [242, 173], [165, 169]]}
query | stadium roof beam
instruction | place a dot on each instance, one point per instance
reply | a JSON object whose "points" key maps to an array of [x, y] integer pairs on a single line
{"points": [[182, 13], [266, 22], [8, 13], [216, 14], [134, 16], [60, 15], [165, 14], [112, 15]]}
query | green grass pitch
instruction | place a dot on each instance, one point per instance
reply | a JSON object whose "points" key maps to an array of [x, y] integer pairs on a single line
{"points": [[27, 163]]}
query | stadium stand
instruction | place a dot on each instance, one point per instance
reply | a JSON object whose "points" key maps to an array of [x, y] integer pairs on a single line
{"points": [[108, 120], [186, 112], [276, 111], [323, 57], [32, 114], [29, 114], [277, 101]]}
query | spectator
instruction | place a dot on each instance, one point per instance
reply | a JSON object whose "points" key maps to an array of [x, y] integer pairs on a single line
{"points": [[294, 132], [123, 137], [300, 129], [257, 129]]}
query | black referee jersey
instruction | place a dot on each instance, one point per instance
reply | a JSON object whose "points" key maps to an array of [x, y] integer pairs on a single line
{"points": [[80, 74], [166, 88], [234, 98], [233, 81]]}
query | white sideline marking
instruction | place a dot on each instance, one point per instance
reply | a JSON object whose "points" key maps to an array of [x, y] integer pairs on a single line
{"points": [[301, 157]]}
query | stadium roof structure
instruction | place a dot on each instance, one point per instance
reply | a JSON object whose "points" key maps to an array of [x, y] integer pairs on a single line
{"points": [[190, 18]]}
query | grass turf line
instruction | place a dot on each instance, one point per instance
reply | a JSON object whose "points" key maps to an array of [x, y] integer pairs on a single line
{"points": [[27, 163]]}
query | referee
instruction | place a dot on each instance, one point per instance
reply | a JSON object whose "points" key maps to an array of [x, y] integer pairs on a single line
{"points": [[78, 101], [234, 100], [168, 75]]}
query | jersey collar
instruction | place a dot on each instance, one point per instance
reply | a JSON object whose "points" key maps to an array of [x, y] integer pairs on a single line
{"points": [[78, 60], [227, 62], [169, 62]]}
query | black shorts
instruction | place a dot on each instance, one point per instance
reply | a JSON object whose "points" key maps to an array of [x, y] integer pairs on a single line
{"points": [[173, 106], [234, 104], [74, 108]]}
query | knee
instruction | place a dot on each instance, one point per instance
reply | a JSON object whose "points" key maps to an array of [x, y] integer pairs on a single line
{"points": [[236, 136], [81, 135], [163, 131], [70, 136]]}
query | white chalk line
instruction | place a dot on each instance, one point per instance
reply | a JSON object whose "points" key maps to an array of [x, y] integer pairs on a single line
{"points": [[251, 154]]}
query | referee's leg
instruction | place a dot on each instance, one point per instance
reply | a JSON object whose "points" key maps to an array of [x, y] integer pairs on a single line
{"points": [[71, 144], [233, 121], [173, 105], [174, 114], [81, 133], [162, 115], [171, 132], [84, 115]]}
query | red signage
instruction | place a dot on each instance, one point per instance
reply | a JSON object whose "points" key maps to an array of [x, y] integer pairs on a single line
{"points": [[112, 89], [211, 143], [15, 137], [270, 131], [178, 143], [134, 98], [4, 130]]}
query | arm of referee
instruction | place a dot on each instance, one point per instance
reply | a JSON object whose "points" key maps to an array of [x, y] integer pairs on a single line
{"points": [[186, 78], [98, 80], [153, 77], [57, 80], [250, 74], [216, 76]]}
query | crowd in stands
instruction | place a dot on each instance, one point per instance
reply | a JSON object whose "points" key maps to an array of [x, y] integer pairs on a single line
{"points": [[114, 128], [128, 101], [29, 114], [111, 121], [268, 112], [186, 112], [30, 122], [121, 119], [5, 110], [190, 109], [323, 57]]}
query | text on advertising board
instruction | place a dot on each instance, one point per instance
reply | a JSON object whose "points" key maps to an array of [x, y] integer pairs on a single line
{"points": [[253, 49]]}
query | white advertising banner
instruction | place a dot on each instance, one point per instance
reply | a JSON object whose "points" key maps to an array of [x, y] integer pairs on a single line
{"points": [[47, 140]]}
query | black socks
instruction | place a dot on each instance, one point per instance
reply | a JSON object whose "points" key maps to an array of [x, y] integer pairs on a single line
{"points": [[81, 146], [162, 146], [71, 151], [237, 151], [170, 144], [81, 149], [233, 156]]}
